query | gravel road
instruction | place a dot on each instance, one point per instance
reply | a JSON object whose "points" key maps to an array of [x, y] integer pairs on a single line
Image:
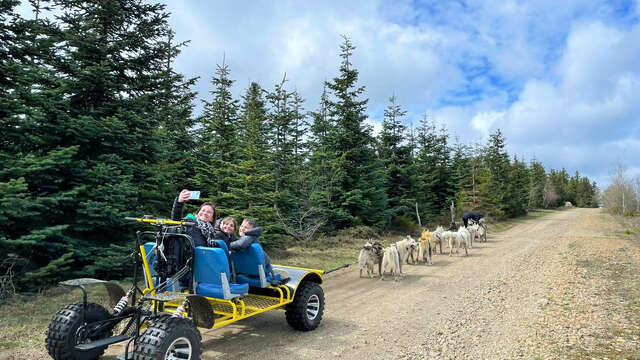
{"points": [[519, 295]]}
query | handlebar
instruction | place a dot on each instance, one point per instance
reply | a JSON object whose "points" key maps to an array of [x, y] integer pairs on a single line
{"points": [[161, 222]]}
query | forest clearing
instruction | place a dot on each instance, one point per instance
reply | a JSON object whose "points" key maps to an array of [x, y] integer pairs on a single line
{"points": [[559, 286]]}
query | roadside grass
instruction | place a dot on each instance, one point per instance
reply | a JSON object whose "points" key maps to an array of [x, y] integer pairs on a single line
{"points": [[24, 318], [622, 284]]}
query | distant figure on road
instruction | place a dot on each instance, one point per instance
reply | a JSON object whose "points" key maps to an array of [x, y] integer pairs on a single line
{"points": [[471, 215]]}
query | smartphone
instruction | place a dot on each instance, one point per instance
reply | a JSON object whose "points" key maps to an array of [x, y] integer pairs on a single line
{"points": [[195, 195]]}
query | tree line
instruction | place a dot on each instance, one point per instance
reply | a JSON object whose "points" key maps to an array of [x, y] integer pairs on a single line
{"points": [[97, 125]]}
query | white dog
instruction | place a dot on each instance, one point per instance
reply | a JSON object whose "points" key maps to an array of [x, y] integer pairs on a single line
{"points": [[437, 238], [391, 262], [405, 246], [367, 259], [466, 236]]}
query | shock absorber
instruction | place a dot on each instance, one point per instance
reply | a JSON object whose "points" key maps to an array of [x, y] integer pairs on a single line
{"points": [[122, 303], [180, 309]]}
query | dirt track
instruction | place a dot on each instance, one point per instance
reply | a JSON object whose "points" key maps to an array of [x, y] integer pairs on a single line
{"points": [[497, 303]]}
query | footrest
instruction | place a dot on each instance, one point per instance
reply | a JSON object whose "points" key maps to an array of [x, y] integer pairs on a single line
{"points": [[102, 342]]}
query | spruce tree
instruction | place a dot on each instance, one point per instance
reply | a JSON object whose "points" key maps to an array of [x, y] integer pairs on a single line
{"points": [[560, 181], [497, 161], [324, 170], [216, 142], [538, 178], [395, 153], [176, 168], [517, 192], [462, 171], [363, 196], [436, 185], [251, 189], [91, 151], [284, 142]]}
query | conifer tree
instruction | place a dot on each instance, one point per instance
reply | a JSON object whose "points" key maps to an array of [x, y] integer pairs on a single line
{"points": [[517, 191], [560, 181], [251, 192], [217, 136], [395, 153], [31, 185], [435, 183], [462, 171], [538, 179], [93, 133], [497, 162], [324, 169], [363, 196], [286, 146], [178, 141]]}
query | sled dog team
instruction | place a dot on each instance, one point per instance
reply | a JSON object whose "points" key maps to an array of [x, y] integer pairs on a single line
{"points": [[391, 258]]}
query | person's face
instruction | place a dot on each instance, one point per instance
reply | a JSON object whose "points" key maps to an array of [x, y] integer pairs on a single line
{"points": [[244, 227], [206, 213], [228, 227]]}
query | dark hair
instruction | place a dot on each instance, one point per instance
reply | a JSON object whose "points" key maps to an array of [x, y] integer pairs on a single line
{"points": [[251, 222], [206, 203]]}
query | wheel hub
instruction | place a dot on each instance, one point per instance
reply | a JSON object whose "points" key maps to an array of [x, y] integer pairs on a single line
{"points": [[180, 349], [313, 306]]}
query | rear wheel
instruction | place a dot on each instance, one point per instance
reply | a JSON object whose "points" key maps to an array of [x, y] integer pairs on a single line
{"points": [[62, 335], [307, 308], [169, 338]]}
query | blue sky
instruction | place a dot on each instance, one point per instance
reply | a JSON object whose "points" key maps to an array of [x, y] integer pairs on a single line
{"points": [[560, 78]]}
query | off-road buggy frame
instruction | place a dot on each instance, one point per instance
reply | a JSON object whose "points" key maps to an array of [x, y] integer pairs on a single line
{"points": [[161, 320]]}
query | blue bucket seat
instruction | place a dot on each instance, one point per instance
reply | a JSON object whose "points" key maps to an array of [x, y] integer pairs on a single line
{"points": [[250, 267], [212, 276]]}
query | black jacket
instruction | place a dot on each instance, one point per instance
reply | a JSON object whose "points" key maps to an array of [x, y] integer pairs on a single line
{"points": [[193, 231], [218, 234], [471, 215]]}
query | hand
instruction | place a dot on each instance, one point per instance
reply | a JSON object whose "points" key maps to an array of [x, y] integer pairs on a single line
{"points": [[184, 196]]}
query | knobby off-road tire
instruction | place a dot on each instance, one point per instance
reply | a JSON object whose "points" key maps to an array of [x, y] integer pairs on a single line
{"points": [[305, 312], [61, 335], [168, 336]]}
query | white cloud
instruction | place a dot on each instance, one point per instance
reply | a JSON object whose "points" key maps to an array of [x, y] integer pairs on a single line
{"points": [[483, 122], [582, 120], [561, 81]]}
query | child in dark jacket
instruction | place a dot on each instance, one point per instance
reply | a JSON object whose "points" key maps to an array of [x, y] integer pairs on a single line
{"points": [[225, 230], [250, 234]]}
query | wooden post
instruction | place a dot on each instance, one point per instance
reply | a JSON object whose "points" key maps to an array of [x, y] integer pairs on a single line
{"points": [[453, 212], [418, 215]]}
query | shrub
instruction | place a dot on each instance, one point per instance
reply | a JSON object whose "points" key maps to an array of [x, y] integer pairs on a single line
{"points": [[405, 224]]}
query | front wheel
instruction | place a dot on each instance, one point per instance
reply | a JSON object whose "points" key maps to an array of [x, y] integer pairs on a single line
{"points": [[307, 308], [169, 338], [62, 335]]}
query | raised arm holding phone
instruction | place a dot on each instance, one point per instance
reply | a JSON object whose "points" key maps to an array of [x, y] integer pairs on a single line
{"points": [[205, 217]]}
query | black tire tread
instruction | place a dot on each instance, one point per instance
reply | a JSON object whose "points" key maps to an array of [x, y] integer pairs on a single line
{"points": [[151, 343], [295, 312], [63, 323]]}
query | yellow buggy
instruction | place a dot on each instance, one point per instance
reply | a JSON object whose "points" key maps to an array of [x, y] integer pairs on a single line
{"points": [[185, 288]]}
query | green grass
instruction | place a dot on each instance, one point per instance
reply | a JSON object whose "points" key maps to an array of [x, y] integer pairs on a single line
{"points": [[24, 318]]}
